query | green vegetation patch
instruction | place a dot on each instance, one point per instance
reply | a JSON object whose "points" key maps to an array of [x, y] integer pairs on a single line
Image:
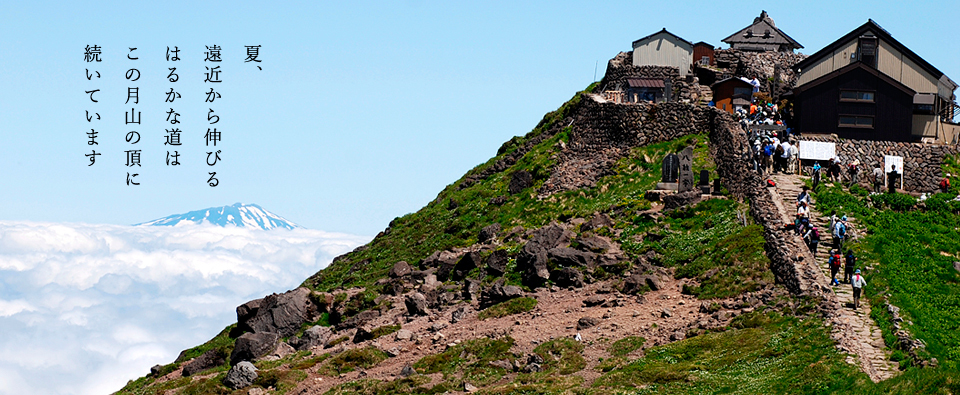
{"points": [[469, 361], [908, 255], [626, 345], [763, 353], [510, 307], [352, 359], [562, 355], [408, 385], [381, 331]]}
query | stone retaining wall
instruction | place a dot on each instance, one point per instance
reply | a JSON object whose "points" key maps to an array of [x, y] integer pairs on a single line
{"points": [[921, 161]]}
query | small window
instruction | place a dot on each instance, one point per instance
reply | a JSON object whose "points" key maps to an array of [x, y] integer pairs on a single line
{"points": [[861, 96], [705, 60], [856, 121]]}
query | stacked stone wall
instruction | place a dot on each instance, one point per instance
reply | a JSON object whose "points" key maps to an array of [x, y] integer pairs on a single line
{"points": [[922, 162], [621, 68]]}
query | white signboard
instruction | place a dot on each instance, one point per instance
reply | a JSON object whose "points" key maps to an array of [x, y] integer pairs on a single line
{"points": [[888, 162], [817, 150]]}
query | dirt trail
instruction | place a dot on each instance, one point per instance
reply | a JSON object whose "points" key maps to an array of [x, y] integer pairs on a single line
{"points": [[854, 330]]}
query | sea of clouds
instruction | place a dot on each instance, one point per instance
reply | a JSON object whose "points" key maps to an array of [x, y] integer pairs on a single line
{"points": [[84, 307]]}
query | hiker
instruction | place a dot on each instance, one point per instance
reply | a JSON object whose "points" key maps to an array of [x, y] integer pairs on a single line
{"points": [[803, 213], [816, 174], [893, 178], [945, 184], [854, 171], [778, 160], [858, 283], [812, 238], [767, 155], [877, 179], [834, 263], [849, 261], [834, 171], [804, 196], [840, 233]]}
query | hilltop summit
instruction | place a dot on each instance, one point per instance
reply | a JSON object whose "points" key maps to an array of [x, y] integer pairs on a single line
{"points": [[238, 214]]}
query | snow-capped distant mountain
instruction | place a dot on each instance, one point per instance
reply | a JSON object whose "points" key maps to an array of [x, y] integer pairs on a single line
{"points": [[242, 215]]}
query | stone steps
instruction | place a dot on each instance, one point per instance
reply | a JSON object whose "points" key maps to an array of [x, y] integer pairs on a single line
{"points": [[872, 353]]}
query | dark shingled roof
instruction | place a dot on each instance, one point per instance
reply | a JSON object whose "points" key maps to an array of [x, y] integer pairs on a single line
{"points": [[758, 39]]}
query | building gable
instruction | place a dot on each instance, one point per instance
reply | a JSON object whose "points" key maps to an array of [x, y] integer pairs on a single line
{"points": [[762, 35]]}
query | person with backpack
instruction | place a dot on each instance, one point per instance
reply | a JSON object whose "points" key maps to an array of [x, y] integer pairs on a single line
{"points": [[853, 171], [858, 283], [804, 196], [840, 233], [778, 161], [945, 185], [803, 216], [834, 171], [849, 262], [812, 237], [877, 180], [834, 263]]}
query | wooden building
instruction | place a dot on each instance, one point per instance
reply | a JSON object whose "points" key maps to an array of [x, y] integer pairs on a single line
{"points": [[663, 49], [645, 89], [761, 36], [869, 86], [730, 93], [703, 54]]}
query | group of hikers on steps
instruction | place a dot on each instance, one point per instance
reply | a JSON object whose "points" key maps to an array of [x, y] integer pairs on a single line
{"points": [[838, 229]]}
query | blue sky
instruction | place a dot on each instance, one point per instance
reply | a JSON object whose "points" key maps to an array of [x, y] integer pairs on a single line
{"points": [[363, 111]]}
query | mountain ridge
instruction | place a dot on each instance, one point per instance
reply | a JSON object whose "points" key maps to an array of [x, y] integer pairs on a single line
{"points": [[238, 214]]}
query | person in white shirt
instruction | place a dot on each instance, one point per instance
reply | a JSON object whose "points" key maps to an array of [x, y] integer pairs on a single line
{"points": [[858, 283]]}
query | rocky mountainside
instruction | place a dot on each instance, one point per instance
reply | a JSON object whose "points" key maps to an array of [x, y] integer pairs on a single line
{"points": [[558, 267]]}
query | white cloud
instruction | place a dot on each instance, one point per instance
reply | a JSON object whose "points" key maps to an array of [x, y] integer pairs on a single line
{"points": [[84, 308]]}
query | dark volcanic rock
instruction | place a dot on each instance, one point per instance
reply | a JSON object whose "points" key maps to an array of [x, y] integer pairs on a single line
{"points": [[678, 200], [251, 346], [471, 289], [593, 243], [443, 261], [489, 232], [207, 360], [241, 375], [594, 300], [497, 293], [362, 335], [416, 304], [519, 181], [566, 256], [587, 322], [282, 314], [532, 260], [458, 315], [634, 283], [468, 262], [497, 263], [407, 371], [597, 221], [400, 269], [315, 336], [361, 318], [567, 277]]}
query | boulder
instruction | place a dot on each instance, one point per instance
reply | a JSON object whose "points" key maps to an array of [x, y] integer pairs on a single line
{"points": [[468, 262], [595, 300], [240, 375], [587, 322], [597, 221], [155, 370], [314, 336], [682, 199], [407, 371], [281, 314], [458, 315], [497, 293], [404, 334], [210, 359], [471, 289], [400, 269], [361, 318], [497, 263], [443, 261], [251, 346], [593, 243], [956, 266], [519, 181], [489, 233], [567, 277], [532, 264], [634, 283], [416, 304], [566, 257], [362, 335]]}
